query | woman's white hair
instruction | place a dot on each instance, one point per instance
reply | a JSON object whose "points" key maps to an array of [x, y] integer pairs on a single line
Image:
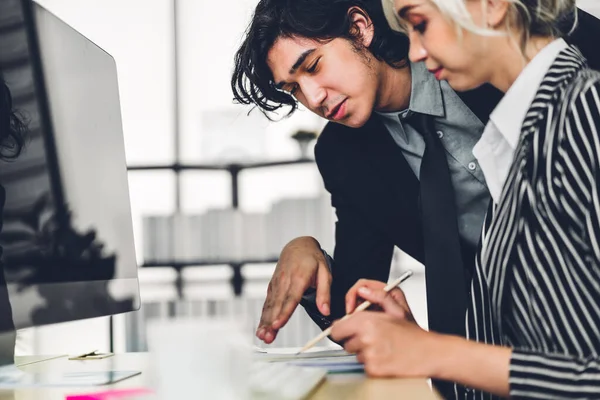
{"points": [[390, 14], [531, 17]]}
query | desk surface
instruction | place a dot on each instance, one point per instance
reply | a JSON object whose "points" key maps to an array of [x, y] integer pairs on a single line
{"points": [[343, 386]]}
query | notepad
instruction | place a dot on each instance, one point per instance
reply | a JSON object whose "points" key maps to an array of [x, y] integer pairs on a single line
{"points": [[290, 353], [343, 364], [333, 360]]}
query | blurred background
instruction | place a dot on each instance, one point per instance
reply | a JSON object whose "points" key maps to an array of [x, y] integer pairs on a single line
{"points": [[207, 237]]}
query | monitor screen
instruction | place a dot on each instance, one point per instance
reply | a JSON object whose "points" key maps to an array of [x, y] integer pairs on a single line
{"points": [[67, 236]]}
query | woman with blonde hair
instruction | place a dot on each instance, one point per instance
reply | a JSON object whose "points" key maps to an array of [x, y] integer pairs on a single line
{"points": [[533, 324]]}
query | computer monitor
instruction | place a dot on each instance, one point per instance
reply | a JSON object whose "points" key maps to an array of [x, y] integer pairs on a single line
{"points": [[67, 236]]}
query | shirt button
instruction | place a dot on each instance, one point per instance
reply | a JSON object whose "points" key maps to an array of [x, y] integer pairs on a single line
{"points": [[440, 134], [472, 166]]}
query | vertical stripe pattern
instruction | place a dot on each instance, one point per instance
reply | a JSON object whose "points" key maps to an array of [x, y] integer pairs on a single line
{"points": [[536, 286]]}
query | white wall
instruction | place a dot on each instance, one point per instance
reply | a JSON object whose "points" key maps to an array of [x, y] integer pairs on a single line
{"points": [[591, 6], [138, 34], [209, 33]]}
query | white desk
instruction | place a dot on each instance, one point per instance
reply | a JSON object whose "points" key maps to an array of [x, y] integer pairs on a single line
{"points": [[343, 386]]}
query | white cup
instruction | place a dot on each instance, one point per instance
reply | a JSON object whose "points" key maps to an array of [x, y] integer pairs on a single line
{"points": [[200, 358]]}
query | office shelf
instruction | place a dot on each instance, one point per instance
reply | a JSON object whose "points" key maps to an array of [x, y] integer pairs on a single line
{"points": [[177, 167], [219, 167], [200, 263], [234, 169], [237, 280]]}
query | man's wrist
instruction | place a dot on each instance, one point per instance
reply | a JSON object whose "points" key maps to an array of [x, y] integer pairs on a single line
{"points": [[328, 259]]}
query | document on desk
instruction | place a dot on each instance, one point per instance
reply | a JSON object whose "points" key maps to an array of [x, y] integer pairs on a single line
{"points": [[333, 360]]}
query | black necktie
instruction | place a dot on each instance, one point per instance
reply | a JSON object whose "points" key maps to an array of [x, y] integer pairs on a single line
{"points": [[444, 268]]}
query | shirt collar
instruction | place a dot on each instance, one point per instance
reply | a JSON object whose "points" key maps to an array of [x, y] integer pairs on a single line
{"points": [[426, 93], [425, 97], [509, 114]]}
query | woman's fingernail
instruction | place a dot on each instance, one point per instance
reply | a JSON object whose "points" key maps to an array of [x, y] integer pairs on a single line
{"points": [[364, 290], [326, 308]]}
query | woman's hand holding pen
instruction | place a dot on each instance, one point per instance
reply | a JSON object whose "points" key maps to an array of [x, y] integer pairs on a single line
{"points": [[388, 343], [391, 344], [393, 302]]}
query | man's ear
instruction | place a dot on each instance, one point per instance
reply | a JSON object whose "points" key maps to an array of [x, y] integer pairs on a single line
{"points": [[362, 26], [496, 12]]}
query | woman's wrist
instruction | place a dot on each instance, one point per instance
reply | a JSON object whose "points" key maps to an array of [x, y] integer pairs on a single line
{"points": [[445, 353], [477, 365]]}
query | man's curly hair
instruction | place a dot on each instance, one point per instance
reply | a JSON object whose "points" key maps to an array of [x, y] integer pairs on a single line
{"points": [[321, 20]]}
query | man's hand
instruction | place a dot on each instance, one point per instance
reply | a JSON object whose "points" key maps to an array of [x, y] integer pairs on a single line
{"points": [[301, 265]]}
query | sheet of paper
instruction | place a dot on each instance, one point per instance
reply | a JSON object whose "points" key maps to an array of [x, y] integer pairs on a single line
{"points": [[63, 379], [338, 364], [289, 353], [257, 349], [332, 359]]}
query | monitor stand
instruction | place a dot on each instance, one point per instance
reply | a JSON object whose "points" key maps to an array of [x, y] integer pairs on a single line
{"points": [[11, 376]]}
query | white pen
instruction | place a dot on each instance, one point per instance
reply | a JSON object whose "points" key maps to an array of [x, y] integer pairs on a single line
{"points": [[361, 307]]}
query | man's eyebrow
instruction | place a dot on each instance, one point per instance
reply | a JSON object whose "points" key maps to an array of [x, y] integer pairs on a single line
{"points": [[404, 10], [300, 60], [296, 65]]}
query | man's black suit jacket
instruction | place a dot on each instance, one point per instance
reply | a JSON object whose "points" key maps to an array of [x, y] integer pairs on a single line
{"points": [[375, 193]]}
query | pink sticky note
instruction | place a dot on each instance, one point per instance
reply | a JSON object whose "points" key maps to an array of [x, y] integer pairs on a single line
{"points": [[110, 394]]}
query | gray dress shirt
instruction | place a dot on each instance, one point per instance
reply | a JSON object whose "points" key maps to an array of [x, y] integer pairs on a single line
{"points": [[459, 130]]}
